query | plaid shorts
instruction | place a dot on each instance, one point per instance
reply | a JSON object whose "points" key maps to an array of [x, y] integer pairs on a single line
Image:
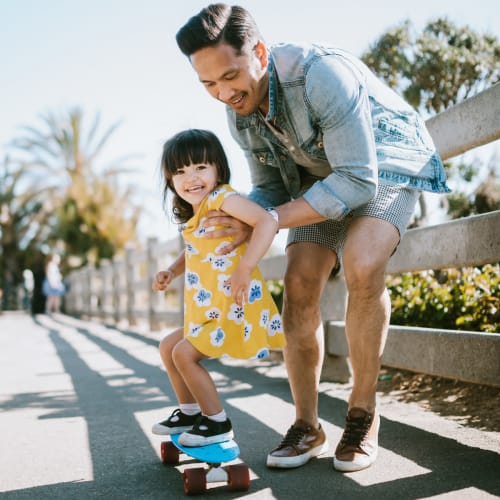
{"points": [[394, 204]]}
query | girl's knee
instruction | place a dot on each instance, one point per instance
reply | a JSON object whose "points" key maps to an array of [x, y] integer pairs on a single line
{"points": [[182, 354], [168, 343]]}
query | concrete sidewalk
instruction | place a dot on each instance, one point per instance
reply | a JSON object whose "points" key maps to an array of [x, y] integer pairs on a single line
{"points": [[77, 400]]}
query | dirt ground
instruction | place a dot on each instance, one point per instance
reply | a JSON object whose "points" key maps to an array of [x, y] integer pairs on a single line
{"points": [[469, 404]]}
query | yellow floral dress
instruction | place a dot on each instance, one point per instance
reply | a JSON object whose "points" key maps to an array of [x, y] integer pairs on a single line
{"points": [[213, 323]]}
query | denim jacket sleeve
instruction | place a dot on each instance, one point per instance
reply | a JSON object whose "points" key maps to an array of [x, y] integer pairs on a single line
{"points": [[338, 103]]}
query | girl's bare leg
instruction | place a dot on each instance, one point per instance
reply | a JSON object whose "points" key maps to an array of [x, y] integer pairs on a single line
{"points": [[196, 378], [167, 346]]}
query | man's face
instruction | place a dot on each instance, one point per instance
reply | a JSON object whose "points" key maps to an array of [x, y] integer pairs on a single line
{"points": [[238, 80]]}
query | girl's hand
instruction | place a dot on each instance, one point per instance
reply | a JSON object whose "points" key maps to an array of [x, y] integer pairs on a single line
{"points": [[227, 226], [162, 280], [240, 284]]}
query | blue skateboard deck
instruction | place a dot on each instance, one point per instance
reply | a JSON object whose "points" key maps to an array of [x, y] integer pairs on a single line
{"points": [[211, 453]]}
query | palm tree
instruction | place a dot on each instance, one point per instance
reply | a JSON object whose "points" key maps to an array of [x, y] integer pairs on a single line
{"points": [[90, 205]]}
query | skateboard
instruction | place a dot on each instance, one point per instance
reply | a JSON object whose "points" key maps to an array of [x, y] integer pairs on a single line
{"points": [[237, 476]]}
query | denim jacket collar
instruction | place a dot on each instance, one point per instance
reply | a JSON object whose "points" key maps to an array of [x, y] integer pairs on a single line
{"points": [[273, 89], [252, 120]]}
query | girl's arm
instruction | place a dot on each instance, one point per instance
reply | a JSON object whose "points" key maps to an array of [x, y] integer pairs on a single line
{"points": [[164, 278], [264, 226]]}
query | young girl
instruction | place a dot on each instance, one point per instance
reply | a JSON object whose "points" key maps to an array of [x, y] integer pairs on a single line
{"points": [[228, 310]]}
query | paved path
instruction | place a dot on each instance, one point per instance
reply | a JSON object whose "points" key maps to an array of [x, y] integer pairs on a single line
{"points": [[77, 400]]}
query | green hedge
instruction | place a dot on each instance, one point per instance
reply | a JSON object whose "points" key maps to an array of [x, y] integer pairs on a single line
{"points": [[457, 299]]}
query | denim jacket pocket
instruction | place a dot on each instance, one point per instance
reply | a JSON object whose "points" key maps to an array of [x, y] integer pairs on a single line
{"points": [[264, 157], [316, 148]]}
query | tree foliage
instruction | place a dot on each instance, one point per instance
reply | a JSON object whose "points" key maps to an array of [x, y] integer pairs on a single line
{"points": [[23, 222], [93, 214], [474, 198], [434, 70], [437, 68]]}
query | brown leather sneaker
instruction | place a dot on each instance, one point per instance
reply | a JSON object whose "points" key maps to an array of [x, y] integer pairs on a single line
{"points": [[301, 443], [358, 446]]}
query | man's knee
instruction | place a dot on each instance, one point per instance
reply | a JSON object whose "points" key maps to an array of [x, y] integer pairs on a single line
{"points": [[364, 274], [297, 287]]}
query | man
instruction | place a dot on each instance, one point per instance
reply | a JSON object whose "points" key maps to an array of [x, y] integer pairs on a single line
{"points": [[342, 159]]}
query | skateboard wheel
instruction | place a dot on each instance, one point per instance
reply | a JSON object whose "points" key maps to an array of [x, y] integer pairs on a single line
{"points": [[195, 481], [169, 453], [238, 477]]}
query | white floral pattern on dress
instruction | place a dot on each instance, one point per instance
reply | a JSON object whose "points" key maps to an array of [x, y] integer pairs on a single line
{"points": [[221, 284], [203, 297], [247, 331], [264, 318], [192, 280], [262, 353], [194, 330], [236, 313], [255, 291], [213, 313], [191, 249], [275, 325], [217, 337], [219, 262]]}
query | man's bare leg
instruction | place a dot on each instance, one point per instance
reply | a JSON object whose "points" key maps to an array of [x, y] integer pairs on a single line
{"points": [[308, 268], [369, 245]]}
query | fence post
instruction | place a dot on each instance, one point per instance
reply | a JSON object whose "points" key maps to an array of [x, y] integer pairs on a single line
{"points": [[130, 284], [153, 297], [104, 272], [88, 290], [115, 265]]}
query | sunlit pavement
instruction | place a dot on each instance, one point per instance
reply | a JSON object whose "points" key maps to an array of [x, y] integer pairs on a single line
{"points": [[77, 401]]}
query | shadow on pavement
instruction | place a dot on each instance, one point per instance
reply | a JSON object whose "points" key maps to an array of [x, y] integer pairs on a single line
{"points": [[125, 466]]}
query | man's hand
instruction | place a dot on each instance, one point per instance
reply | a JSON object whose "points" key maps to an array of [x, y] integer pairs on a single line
{"points": [[227, 226], [162, 280]]}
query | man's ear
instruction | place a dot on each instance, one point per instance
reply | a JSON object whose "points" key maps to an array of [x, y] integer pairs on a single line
{"points": [[261, 52]]}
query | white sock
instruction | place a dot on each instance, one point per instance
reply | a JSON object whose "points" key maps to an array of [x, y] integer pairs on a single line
{"points": [[189, 408], [218, 417]]}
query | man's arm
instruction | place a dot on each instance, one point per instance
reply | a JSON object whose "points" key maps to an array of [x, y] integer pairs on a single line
{"points": [[340, 105]]}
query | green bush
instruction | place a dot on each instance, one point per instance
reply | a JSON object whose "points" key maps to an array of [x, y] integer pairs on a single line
{"points": [[454, 299], [457, 299]]}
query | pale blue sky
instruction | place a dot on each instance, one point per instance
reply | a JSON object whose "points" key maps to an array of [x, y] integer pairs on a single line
{"points": [[119, 57]]}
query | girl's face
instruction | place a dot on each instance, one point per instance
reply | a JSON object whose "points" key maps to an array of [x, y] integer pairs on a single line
{"points": [[194, 181]]}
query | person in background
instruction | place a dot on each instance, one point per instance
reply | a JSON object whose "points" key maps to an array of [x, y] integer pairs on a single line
{"points": [[38, 298], [228, 310], [343, 160], [53, 286]]}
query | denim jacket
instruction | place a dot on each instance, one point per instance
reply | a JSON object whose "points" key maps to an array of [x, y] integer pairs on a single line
{"points": [[336, 110]]}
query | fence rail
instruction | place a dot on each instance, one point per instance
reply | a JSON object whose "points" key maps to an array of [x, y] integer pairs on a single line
{"points": [[120, 290]]}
